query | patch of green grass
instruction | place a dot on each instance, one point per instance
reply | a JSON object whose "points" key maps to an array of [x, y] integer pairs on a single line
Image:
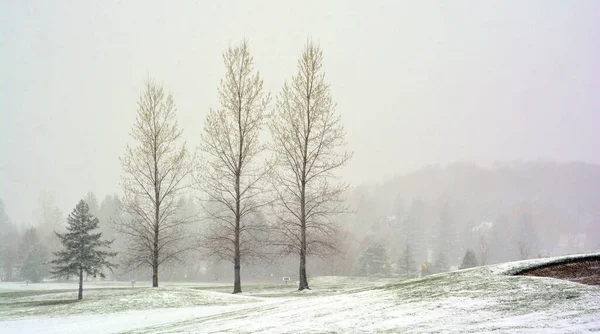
{"points": [[60, 303], [535, 298], [460, 293], [28, 293], [514, 295], [246, 288], [44, 303], [321, 286]]}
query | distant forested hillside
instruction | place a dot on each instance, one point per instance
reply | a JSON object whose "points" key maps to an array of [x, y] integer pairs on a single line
{"points": [[508, 212]]}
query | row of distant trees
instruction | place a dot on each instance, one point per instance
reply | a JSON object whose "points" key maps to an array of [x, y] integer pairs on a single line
{"points": [[31, 251], [25, 258], [448, 226], [24, 254], [261, 196], [374, 261], [238, 173], [40, 251]]}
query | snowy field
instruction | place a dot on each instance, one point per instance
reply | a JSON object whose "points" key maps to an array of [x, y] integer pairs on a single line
{"points": [[477, 300]]}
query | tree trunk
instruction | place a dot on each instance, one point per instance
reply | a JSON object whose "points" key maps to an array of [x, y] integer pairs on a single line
{"points": [[237, 282], [80, 295], [156, 215], [155, 260], [303, 279], [155, 267]]}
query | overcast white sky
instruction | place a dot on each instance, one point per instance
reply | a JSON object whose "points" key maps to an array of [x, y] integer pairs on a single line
{"points": [[416, 82]]}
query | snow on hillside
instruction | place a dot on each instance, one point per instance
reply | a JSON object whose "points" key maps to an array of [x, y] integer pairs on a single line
{"points": [[476, 300]]}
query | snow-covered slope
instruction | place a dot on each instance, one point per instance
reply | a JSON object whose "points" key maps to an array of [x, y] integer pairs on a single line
{"points": [[476, 300]]}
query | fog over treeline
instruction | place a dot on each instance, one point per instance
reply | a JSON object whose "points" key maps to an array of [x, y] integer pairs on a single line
{"points": [[508, 212], [465, 129]]}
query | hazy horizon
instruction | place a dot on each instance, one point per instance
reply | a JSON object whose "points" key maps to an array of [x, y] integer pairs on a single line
{"points": [[416, 84]]}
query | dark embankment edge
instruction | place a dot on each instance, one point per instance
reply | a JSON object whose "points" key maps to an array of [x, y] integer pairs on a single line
{"points": [[557, 262]]}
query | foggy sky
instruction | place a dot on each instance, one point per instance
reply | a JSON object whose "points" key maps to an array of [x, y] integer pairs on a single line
{"points": [[417, 83]]}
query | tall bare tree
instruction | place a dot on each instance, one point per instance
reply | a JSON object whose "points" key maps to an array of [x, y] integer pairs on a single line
{"points": [[308, 143], [524, 249], [483, 250], [232, 173], [50, 219], [155, 173]]}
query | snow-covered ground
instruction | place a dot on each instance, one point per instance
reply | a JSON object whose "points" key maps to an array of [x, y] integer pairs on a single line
{"points": [[477, 300]]}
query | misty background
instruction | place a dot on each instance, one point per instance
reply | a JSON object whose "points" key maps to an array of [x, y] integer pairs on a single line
{"points": [[416, 83], [470, 113]]}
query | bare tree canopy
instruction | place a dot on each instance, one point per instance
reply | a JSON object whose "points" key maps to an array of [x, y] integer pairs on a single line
{"points": [[308, 143], [231, 176], [155, 174]]}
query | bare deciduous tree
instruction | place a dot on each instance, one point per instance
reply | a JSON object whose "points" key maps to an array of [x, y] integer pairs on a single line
{"points": [[483, 250], [155, 173], [231, 174], [308, 139], [524, 249], [50, 218]]}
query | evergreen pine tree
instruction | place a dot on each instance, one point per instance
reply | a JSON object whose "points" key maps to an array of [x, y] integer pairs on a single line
{"points": [[469, 261], [82, 250], [415, 231], [34, 266], [9, 243], [447, 232], [373, 261], [92, 202], [440, 265], [407, 267]]}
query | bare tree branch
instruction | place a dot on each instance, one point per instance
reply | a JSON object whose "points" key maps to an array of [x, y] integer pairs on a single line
{"points": [[156, 171], [308, 139], [231, 176]]}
